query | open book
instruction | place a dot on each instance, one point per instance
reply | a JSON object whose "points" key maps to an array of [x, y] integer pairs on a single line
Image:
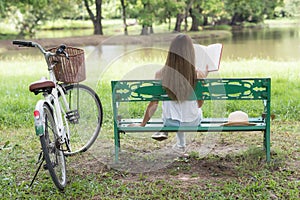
{"points": [[208, 56]]}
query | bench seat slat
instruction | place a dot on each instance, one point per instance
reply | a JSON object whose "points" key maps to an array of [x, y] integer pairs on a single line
{"points": [[203, 121], [203, 128]]}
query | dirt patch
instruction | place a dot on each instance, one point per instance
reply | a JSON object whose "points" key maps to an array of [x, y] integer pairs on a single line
{"points": [[95, 40], [185, 172], [161, 163]]}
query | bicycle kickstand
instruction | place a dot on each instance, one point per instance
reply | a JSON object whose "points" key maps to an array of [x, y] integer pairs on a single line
{"points": [[40, 160]]}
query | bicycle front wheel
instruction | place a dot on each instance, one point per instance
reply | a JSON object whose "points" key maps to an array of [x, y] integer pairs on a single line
{"points": [[51, 146], [84, 119]]}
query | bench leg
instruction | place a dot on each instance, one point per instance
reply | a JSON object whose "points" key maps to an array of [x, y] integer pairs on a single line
{"points": [[117, 145], [267, 145]]}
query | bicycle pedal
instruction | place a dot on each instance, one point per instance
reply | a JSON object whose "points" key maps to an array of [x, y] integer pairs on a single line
{"points": [[73, 116]]}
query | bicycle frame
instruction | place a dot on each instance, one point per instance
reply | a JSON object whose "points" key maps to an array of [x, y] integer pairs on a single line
{"points": [[54, 104]]}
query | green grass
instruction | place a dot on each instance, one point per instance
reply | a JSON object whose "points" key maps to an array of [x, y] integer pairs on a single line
{"points": [[244, 175], [230, 175]]}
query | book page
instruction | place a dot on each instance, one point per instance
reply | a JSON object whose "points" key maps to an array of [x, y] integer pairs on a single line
{"points": [[208, 56]]}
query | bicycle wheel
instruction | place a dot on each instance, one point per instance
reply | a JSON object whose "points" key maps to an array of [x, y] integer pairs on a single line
{"points": [[84, 119], [55, 159]]}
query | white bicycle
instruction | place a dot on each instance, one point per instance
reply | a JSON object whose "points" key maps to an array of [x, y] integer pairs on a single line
{"points": [[69, 117]]}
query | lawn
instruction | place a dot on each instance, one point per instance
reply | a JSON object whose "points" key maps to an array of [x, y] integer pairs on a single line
{"points": [[234, 166]]}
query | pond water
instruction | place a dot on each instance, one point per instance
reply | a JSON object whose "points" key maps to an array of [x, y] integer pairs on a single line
{"points": [[278, 44], [269, 43], [266, 43]]}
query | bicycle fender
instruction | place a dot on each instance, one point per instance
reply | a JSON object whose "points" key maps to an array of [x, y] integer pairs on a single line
{"points": [[38, 118]]}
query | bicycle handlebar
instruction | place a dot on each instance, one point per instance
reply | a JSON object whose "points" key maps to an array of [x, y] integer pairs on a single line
{"points": [[60, 49], [32, 44], [23, 43]]}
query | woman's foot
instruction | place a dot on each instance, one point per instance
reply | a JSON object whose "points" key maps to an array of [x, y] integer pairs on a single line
{"points": [[160, 136], [178, 149]]}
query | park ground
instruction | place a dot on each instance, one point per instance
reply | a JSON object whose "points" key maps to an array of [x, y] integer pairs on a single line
{"points": [[234, 168]]}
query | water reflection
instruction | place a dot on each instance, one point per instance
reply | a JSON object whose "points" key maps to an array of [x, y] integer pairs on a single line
{"points": [[63, 33], [106, 62], [268, 43], [273, 43]]}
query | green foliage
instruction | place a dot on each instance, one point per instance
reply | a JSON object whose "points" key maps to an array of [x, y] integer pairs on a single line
{"points": [[167, 9], [243, 10], [251, 11], [28, 15], [291, 8], [213, 8]]}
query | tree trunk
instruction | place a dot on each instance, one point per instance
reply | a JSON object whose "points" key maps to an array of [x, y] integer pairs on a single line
{"points": [[187, 9], [95, 19], [98, 28], [185, 23], [236, 19], [195, 21], [144, 30], [169, 26], [179, 19], [205, 20], [124, 17], [151, 29]]}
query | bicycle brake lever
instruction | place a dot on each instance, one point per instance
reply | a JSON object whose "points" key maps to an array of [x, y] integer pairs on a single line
{"points": [[61, 50], [66, 54]]}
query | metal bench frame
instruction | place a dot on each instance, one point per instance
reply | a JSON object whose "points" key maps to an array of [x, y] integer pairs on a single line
{"points": [[206, 89]]}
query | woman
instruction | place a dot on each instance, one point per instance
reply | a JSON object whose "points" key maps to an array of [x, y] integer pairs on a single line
{"points": [[178, 77]]}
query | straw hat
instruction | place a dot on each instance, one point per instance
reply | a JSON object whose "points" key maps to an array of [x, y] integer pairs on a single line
{"points": [[238, 118]]}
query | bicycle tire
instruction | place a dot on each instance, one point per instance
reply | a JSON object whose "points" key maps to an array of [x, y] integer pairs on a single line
{"points": [[84, 126], [53, 155]]}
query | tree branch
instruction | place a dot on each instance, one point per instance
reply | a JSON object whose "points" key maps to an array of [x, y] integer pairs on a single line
{"points": [[91, 14]]}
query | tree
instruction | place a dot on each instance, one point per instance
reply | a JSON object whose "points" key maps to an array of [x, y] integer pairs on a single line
{"points": [[147, 16], [270, 6], [3, 6], [187, 11], [180, 16], [195, 14], [203, 10], [166, 9], [123, 5], [292, 8], [96, 19], [27, 15], [244, 10]]}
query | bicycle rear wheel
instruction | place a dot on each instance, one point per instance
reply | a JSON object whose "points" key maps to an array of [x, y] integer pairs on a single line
{"points": [[54, 156], [84, 119]]}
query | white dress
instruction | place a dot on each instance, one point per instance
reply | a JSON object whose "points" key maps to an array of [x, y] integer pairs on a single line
{"points": [[185, 111]]}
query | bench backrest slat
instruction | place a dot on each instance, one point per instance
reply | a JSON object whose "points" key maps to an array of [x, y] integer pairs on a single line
{"points": [[206, 89]]}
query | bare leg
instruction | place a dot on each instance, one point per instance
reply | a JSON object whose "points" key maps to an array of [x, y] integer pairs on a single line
{"points": [[180, 139]]}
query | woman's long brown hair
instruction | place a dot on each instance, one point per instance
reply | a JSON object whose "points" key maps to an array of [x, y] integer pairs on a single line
{"points": [[179, 74]]}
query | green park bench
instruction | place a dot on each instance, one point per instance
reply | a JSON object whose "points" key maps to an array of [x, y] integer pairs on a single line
{"points": [[210, 89]]}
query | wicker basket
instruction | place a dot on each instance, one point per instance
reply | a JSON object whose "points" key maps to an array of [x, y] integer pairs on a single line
{"points": [[70, 70]]}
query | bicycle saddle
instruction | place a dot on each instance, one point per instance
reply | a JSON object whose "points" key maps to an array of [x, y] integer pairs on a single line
{"points": [[41, 86]]}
